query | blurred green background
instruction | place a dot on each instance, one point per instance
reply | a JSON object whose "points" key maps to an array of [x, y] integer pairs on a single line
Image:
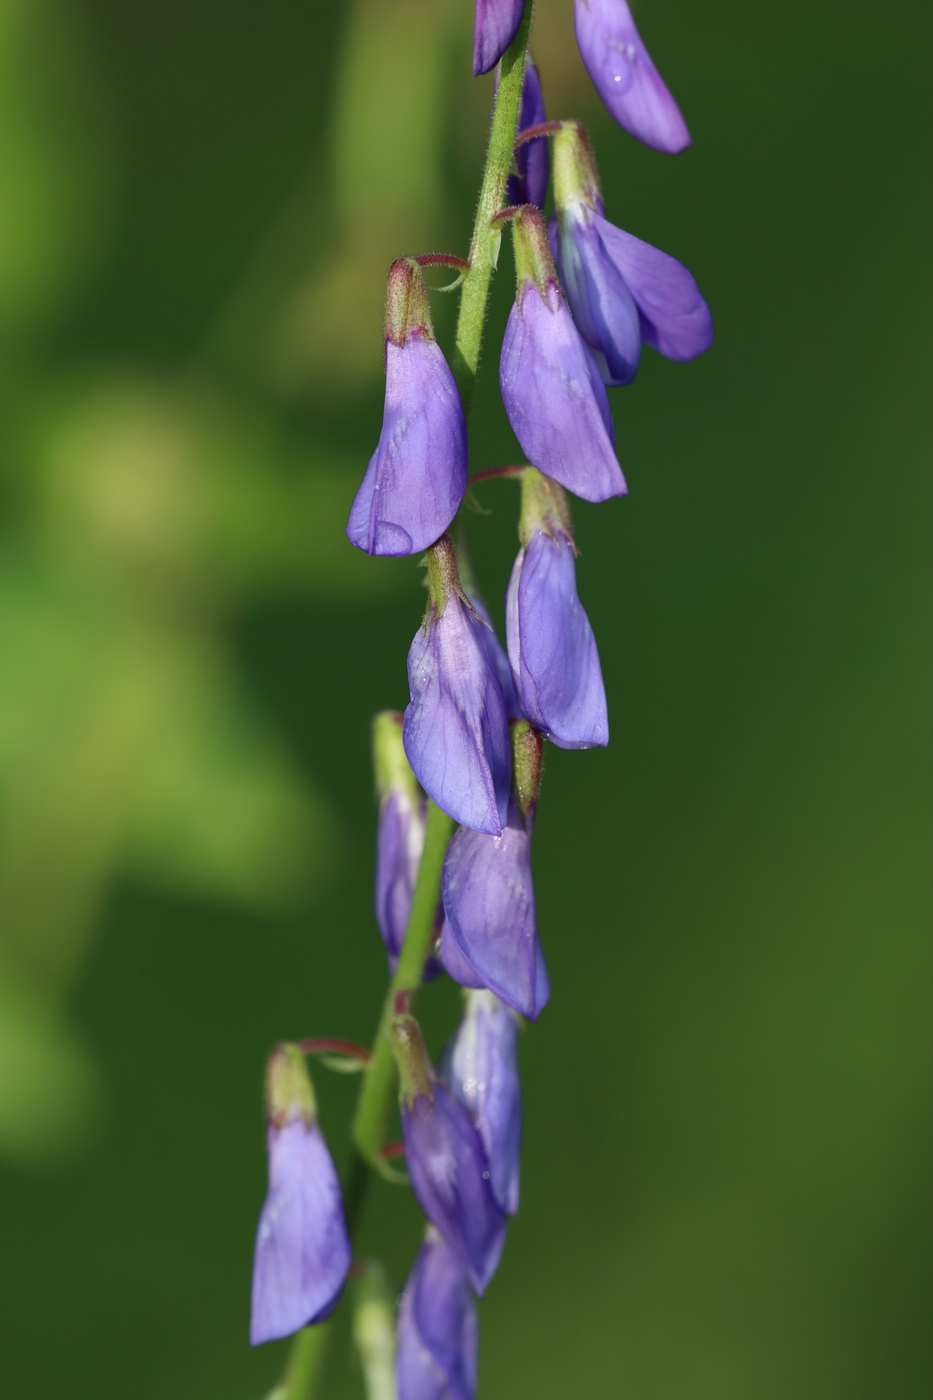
{"points": [[725, 1186]]}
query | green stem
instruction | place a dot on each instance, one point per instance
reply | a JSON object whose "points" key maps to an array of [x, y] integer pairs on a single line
{"points": [[376, 1094], [484, 247], [305, 1363]]}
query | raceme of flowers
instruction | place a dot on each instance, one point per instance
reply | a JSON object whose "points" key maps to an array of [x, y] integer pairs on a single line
{"points": [[589, 295]]}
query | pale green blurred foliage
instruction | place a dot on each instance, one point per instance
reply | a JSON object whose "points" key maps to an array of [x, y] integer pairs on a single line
{"points": [[307, 315], [57, 165], [145, 510]]}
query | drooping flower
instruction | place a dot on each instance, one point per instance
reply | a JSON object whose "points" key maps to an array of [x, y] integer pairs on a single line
{"points": [[302, 1247], [400, 836], [551, 644], [480, 1066], [551, 387], [417, 476], [438, 1330], [499, 659], [446, 1160], [495, 25], [489, 902], [529, 184], [456, 731], [625, 77], [621, 290]]}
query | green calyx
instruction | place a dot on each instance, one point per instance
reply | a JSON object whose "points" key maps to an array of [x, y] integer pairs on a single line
{"points": [[527, 763], [289, 1091], [575, 178], [533, 260], [414, 1067], [443, 579], [544, 508], [408, 308], [393, 771]]}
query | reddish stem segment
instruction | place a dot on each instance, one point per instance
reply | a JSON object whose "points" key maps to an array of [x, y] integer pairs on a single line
{"points": [[442, 260], [531, 133], [503, 216], [512, 473], [392, 1149], [322, 1045]]}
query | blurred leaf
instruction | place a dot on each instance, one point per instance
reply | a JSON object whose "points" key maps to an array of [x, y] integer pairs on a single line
{"points": [[56, 162]]}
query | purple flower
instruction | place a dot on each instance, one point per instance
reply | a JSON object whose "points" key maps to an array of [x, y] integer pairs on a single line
{"points": [[621, 291], [417, 476], [529, 184], [480, 1067], [438, 1331], [551, 644], [552, 390], [489, 904], [302, 1247], [500, 661], [494, 27], [446, 1160], [456, 731], [625, 77], [400, 835]]}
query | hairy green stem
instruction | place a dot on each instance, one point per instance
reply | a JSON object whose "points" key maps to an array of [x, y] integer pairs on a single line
{"points": [[375, 1101], [377, 1091], [484, 247]]}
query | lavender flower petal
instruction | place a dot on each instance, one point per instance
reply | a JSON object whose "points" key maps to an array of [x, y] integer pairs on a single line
{"points": [[675, 319], [399, 842], [552, 648], [602, 304], [450, 1177], [625, 77], [480, 1067], [555, 399], [456, 730], [529, 184], [489, 904], [302, 1248], [494, 27], [417, 476], [438, 1330]]}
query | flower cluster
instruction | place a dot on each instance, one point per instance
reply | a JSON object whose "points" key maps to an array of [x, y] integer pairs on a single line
{"points": [[472, 738]]}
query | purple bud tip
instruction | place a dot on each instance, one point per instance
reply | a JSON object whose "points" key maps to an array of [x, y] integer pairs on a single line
{"points": [[495, 26]]}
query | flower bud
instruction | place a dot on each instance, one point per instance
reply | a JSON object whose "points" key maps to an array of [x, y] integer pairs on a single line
{"points": [[456, 728], [529, 184], [446, 1160], [417, 476], [552, 649], [400, 837], [625, 77], [302, 1247], [480, 1066], [438, 1330], [551, 387], [621, 290], [495, 25]]}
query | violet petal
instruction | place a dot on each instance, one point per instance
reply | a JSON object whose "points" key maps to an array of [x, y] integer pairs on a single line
{"points": [[555, 399], [417, 476], [456, 730], [552, 647], [625, 76], [302, 1248]]}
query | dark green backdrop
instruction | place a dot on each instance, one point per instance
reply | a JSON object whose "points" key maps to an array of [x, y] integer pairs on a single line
{"points": [[724, 1193]]}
